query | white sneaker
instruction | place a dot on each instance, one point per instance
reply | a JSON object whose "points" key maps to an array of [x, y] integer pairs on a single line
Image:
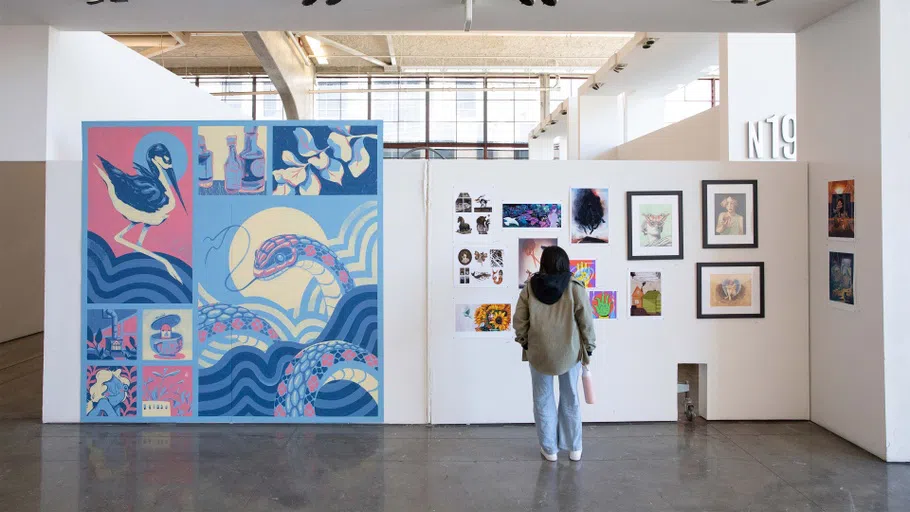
{"points": [[549, 456], [575, 456]]}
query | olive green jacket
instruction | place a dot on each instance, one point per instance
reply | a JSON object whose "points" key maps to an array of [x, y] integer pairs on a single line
{"points": [[557, 336]]}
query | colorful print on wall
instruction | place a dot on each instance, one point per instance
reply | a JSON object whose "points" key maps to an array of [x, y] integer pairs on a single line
{"points": [[226, 297], [481, 319], [480, 266], [590, 216], [532, 215], [841, 279], [167, 391], [655, 225], [730, 290], [231, 160], [645, 294], [584, 271], [603, 304], [529, 252], [110, 392], [473, 213], [111, 334], [139, 207], [167, 334], [325, 160], [841, 209]]}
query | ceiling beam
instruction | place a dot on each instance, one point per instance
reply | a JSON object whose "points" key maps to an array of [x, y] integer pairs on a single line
{"points": [[392, 58], [348, 49]]}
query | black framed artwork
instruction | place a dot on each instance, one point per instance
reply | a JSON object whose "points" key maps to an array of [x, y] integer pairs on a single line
{"points": [[730, 214], [654, 225], [730, 290]]}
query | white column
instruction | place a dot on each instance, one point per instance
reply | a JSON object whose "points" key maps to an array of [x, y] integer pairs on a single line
{"points": [[600, 126], [758, 85], [23, 93]]}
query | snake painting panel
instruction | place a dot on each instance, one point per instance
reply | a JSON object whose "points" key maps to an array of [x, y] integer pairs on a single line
{"points": [[285, 323]]}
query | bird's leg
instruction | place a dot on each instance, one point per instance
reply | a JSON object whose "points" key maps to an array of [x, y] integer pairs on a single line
{"points": [[142, 250]]}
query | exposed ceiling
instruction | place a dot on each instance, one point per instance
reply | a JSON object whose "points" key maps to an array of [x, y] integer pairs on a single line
{"points": [[397, 15], [476, 52]]}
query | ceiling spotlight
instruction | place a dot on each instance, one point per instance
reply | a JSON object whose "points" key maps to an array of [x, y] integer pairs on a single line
{"points": [[527, 2], [309, 2], [649, 43], [549, 3], [96, 2], [332, 2], [619, 67], [760, 3], [597, 85], [327, 2]]}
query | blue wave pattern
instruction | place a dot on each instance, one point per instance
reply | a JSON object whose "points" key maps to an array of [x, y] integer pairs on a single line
{"points": [[245, 382], [132, 278]]}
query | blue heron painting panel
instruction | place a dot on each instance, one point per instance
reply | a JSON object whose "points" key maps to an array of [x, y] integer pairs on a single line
{"points": [[139, 215]]}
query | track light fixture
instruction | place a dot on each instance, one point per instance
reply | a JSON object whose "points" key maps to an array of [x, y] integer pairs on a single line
{"points": [[527, 2], [597, 85], [619, 67], [548, 3], [758, 3], [96, 2], [327, 2]]}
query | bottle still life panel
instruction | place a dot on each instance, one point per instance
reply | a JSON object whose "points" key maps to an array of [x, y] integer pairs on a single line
{"points": [[480, 319], [224, 166], [139, 205]]}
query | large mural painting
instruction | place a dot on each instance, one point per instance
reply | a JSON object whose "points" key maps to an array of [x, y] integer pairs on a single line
{"points": [[232, 273]]}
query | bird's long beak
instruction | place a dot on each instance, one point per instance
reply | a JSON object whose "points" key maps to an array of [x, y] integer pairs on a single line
{"points": [[172, 177]]}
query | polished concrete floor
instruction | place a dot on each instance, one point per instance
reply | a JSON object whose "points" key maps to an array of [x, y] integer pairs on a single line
{"points": [[742, 466]]}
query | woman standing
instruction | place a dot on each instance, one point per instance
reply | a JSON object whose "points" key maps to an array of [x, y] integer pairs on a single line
{"points": [[555, 326]]}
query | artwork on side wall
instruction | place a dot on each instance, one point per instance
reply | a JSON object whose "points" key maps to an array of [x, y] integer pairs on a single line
{"points": [[730, 290], [473, 213], [110, 392], [645, 294], [231, 160], [324, 160], [529, 252], [481, 319], [227, 303], [139, 193], [532, 215], [480, 266], [603, 305], [841, 210], [167, 391], [112, 334], [590, 216], [841, 279], [730, 214], [655, 225], [584, 271]]}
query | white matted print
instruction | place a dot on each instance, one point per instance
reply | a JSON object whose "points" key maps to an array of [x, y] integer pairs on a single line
{"points": [[482, 319], [730, 290], [480, 266], [730, 214], [473, 213], [529, 252], [655, 225]]}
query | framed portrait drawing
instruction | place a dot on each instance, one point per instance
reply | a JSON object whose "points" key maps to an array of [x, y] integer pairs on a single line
{"points": [[730, 290], [730, 214], [655, 225]]}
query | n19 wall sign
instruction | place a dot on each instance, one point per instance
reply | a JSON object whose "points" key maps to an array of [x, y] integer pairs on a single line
{"points": [[783, 138]]}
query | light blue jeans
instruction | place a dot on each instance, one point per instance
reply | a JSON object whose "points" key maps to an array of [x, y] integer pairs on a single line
{"points": [[557, 430]]}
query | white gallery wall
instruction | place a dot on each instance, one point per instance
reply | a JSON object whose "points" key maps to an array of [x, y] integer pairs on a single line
{"points": [[694, 138], [840, 134], [757, 368]]}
